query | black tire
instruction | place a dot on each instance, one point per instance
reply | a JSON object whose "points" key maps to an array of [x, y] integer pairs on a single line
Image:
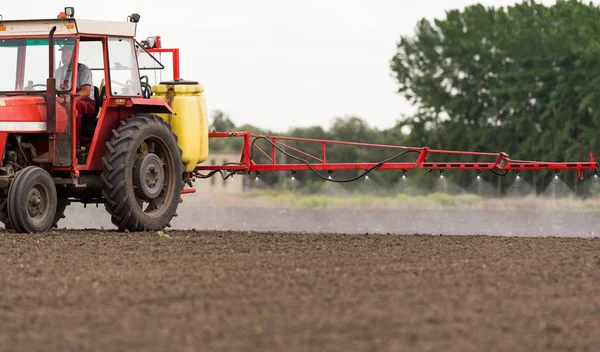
{"points": [[61, 205], [32, 200], [134, 156], [4, 214]]}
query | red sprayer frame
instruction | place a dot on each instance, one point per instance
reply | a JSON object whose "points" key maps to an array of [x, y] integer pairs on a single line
{"points": [[159, 49], [501, 161]]}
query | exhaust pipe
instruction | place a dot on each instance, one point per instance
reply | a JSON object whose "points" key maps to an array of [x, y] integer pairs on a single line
{"points": [[51, 87]]}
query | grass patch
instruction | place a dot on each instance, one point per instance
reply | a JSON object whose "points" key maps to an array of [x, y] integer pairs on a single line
{"points": [[278, 198], [295, 200]]}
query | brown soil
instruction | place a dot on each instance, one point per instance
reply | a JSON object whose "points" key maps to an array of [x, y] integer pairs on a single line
{"points": [[241, 291]]}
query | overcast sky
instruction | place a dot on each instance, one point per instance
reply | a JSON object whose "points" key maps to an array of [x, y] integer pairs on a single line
{"points": [[278, 63]]}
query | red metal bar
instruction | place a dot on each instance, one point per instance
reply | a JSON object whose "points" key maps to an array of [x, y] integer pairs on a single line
{"points": [[455, 152], [264, 153], [552, 166], [297, 150], [274, 152], [175, 52], [422, 156], [356, 144], [246, 151], [501, 163], [176, 74]]}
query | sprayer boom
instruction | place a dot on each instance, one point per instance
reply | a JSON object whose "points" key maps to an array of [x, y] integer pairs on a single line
{"points": [[499, 163]]}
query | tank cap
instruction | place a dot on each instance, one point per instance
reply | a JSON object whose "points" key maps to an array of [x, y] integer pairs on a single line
{"points": [[179, 81]]}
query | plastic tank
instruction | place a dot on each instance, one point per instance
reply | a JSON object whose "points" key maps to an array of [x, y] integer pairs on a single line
{"points": [[190, 122]]}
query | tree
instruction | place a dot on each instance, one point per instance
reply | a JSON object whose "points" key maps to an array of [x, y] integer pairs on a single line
{"points": [[221, 122], [522, 80]]}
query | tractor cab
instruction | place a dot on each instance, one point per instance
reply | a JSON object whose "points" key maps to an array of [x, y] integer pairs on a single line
{"points": [[101, 55]]}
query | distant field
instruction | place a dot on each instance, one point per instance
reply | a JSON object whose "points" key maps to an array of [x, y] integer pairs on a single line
{"points": [[276, 198]]}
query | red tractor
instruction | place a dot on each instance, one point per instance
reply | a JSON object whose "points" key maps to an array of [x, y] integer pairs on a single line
{"points": [[122, 151]]}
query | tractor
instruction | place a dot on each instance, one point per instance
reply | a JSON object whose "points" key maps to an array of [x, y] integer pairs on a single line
{"points": [[138, 145], [133, 151]]}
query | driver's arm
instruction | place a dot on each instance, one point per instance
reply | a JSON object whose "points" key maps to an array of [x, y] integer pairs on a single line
{"points": [[86, 81], [84, 92]]}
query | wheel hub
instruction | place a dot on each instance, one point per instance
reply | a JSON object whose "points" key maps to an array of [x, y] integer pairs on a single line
{"points": [[148, 176], [34, 202]]}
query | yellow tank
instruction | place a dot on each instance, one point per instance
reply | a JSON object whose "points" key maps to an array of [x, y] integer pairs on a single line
{"points": [[190, 122]]}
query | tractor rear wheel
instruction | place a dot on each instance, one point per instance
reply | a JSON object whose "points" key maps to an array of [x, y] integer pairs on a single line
{"points": [[61, 205], [4, 214], [143, 174], [32, 200]]}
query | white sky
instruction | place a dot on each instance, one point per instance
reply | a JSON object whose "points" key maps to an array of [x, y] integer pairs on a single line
{"points": [[278, 63]]}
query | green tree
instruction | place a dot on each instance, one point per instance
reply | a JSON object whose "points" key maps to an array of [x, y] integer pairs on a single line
{"points": [[522, 79], [221, 122]]}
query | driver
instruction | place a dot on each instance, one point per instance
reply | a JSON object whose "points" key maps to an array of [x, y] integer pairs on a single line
{"points": [[84, 98]]}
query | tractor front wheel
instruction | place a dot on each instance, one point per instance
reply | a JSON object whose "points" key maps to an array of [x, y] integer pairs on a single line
{"points": [[142, 177], [31, 201], [61, 205]]}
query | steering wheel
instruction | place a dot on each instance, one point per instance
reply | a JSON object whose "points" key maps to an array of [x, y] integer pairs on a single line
{"points": [[30, 88]]}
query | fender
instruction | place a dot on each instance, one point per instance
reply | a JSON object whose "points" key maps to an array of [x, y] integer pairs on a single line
{"points": [[151, 106]]}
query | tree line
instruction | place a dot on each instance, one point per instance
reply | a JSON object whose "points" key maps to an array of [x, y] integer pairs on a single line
{"points": [[523, 79]]}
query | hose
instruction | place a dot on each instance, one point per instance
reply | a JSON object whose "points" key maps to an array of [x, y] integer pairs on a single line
{"points": [[212, 173], [499, 173], [405, 151]]}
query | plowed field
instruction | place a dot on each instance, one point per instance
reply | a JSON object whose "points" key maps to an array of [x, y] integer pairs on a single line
{"points": [[79, 290]]}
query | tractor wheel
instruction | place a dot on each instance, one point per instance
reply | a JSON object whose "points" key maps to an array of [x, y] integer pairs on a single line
{"points": [[61, 205], [143, 174], [32, 200], [4, 214]]}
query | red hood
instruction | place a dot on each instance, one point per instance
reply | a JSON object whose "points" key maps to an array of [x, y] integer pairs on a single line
{"points": [[29, 108], [23, 108]]}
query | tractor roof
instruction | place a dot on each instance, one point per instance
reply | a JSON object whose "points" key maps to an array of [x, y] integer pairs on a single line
{"points": [[66, 26]]}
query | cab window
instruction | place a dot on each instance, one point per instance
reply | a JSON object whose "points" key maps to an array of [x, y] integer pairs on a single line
{"points": [[123, 69], [91, 55]]}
